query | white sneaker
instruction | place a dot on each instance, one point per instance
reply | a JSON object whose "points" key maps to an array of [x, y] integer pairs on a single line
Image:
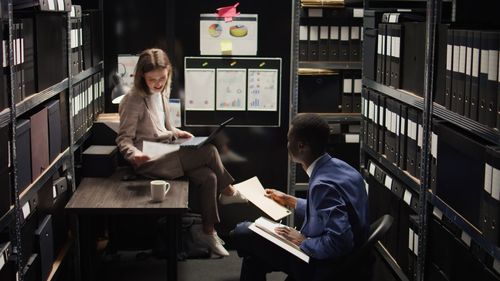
{"points": [[213, 242], [237, 197]]}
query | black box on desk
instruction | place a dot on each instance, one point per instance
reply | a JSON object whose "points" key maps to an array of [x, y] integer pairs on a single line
{"points": [[99, 160]]}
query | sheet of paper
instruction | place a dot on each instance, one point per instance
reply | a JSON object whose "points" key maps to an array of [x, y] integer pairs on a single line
{"points": [[253, 190], [231, 88], [126, 68], [157, 149], [262, 90], [281, 242], [175, 112], [200, 89]]}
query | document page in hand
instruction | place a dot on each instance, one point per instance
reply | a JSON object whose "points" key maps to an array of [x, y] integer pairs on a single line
{"points": [[265, 228], [253, 190]]}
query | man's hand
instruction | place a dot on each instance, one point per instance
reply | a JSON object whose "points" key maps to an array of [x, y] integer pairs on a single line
{"points": [[290, 234], [281, 198], [138, 160], [183, 134]]}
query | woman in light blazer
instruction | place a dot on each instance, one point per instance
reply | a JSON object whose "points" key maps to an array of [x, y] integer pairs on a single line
{"points": [[144, 115]]}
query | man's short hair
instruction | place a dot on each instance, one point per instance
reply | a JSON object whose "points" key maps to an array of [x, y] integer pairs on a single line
{"points": [[311, 129]]}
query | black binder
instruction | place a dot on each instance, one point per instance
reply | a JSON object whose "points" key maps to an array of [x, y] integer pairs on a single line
{"points": [[388, 54], [303, 42], [413, 58], [355, 44], [31, 272], [319, 94], [39, 133], [87, 40], [411, 141], [459, 77], [54, 122], [441, 51], [334, 43], [402, 137], [381, 124], [5, 191], [3, 94], [449, 70], [347, 89], [476, 64], [490, 201], [370, 53], [28, 58], [23, 150], [492, 84], [96, 33], [4, 147], [324, 41], [483, 77], [396, 51], [356, 95], [460, 171], [344, 43], [45, 240], [382, 28], [313, 46], [468, 72]]}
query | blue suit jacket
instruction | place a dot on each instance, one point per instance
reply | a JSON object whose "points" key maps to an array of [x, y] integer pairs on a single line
{"points": [[335, 211]]}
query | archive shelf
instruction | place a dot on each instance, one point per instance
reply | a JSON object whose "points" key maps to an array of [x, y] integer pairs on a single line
{"points": [[331, 65], [401, 95], [463, 225], [87, 73], [4, 117], [38, 183], [39, 98]]}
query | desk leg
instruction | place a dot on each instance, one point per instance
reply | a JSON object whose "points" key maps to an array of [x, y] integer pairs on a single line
{"points": [[173, 227]]}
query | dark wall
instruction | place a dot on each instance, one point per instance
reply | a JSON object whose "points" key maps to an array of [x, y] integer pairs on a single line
{"points": [[131, 26]]}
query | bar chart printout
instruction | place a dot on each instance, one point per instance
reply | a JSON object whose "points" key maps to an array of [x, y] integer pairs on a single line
{"points": [[262, 90], [231, 89]]}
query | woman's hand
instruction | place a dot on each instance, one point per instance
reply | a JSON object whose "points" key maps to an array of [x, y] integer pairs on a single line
{"points": [[290, 234], [281, 198], [183, 134], [138, 160]]}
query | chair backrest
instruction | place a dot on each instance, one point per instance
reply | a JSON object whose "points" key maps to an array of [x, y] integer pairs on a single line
{"points": [[377, 230]]}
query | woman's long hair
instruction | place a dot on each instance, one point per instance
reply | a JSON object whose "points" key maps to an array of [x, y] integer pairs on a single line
{"points": [[149, 60]]}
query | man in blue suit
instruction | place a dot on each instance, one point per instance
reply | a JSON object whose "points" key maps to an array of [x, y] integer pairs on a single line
{"points": [[334, 213]]}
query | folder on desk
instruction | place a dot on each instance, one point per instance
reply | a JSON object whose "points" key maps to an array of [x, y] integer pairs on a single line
{"points": [[39, 143], [313, 46], [344, 43], [324, 41], [334, 43], [303, 42]]}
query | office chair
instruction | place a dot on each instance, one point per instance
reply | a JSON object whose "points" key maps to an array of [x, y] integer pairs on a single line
{"points": [[359, 265]]}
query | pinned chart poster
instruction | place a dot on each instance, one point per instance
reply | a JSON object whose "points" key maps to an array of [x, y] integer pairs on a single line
{"points": [[217, 88], [126, 68], [237, 37], [231, 89], [200, 89], [262, 89]]}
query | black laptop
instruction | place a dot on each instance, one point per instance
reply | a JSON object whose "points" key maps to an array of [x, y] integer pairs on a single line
{"points": [[196, 142]]}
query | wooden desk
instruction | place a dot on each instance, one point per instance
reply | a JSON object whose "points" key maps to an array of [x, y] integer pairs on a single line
{"points": [[99, 196]]}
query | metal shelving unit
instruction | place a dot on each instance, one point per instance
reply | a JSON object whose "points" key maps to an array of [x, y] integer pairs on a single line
{"points": [[87, 73], [4, 117], [401, 95], [39, 98], [38, 183], [464, 225], [330, 65], [390, 262], [6, 219]]}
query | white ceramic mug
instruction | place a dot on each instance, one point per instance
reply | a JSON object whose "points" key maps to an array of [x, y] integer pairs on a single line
{"points": [[159, 188]]}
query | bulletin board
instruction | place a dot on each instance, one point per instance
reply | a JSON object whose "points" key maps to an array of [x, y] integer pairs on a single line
{"points": [[217, 88]]}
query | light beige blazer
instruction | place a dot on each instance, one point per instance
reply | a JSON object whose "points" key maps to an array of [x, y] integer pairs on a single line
{"points": [[138, 122]]}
